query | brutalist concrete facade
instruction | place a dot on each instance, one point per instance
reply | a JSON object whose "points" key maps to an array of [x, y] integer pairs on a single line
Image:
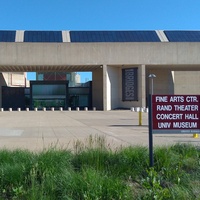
{"points": [[175, 64]]}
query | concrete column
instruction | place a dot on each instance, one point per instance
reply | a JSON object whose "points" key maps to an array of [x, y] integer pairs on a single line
{"points": [[106, 90], [142, 85], [97, 88], [171, 82], [113, 83]]}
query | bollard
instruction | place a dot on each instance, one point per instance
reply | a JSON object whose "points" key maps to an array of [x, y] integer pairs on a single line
{"points": [[195, 135], [27, 109], [140, 118], [137, 109], [69, 108], [86, 108], [1, 109], [35, 109], [132, 109], [94, 108], [61, 108], [77, 108], [10, 109], [52, 109], [18, 109], [44, 109]]}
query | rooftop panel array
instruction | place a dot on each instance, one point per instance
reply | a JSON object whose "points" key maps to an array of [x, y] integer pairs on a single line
{"points": [[42, 36], [183, 36], [98, 36], [7, 36], [114, 36]]}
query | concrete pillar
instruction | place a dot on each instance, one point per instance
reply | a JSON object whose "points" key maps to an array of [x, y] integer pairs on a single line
{"points": [[113, 94], [106, 90], [142, 85], [97, 88]]}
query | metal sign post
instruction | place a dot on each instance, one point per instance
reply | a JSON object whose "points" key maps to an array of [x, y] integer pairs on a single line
{"points": [[151, 160]]}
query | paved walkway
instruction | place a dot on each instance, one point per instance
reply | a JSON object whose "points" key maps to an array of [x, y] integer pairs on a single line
{"points": [[42, 129]]}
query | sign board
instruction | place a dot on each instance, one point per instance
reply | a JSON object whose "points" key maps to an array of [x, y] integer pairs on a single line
{"points": [[176, 114]]}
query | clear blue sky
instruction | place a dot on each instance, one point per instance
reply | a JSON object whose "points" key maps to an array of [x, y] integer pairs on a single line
{"points": [[99, 15]]}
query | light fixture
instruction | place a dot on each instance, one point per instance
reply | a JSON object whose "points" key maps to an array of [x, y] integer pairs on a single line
{"points": [[152, 76]]}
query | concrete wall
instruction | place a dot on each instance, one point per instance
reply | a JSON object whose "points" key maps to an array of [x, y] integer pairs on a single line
{"points": [[141, 88], [187, 82], [163, 83], [15, 79], [59, 54]]}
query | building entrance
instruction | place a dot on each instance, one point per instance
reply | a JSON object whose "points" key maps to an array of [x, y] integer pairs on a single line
{"points": [[48, 94]]}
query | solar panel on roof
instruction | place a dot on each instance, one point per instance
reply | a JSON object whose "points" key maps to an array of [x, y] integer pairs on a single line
{"points": [[114, 36], [42, 36], [7, 36], [183, 36]]}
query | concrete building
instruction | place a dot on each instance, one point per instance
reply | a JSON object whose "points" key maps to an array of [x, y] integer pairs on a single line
{"points": [[72, 77], [120, 61]]}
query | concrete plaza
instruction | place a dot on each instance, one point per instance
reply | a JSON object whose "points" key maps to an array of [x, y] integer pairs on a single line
{"points": [[37, 130]]}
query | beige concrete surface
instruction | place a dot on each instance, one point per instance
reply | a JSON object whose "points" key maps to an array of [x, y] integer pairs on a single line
{"points": [[61, 129]]}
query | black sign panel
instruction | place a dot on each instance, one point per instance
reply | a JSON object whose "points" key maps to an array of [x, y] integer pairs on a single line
{"points": [[130, 84]]}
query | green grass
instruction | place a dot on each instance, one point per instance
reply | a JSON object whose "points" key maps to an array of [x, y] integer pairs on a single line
{"points": [[96, 171]]}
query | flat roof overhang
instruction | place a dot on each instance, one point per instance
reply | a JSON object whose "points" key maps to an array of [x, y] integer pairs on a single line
{"points": [[89, 56], [66, 68]]}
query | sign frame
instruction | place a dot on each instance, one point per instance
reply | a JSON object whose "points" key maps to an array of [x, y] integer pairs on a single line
{"points": [[177, 110], [174, 114]]}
